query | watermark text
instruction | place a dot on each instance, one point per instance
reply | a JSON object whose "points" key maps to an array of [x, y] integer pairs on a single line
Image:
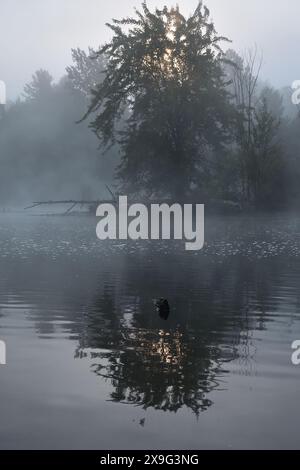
{"points": [[2, 353], [2, 93], [296, 353], [154, 221]]}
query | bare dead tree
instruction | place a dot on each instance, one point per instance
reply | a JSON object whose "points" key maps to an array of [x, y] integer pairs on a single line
{"points": [[244, 81]]}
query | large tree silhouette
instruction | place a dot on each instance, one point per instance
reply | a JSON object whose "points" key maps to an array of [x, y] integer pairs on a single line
{"points": [[164, 74]]}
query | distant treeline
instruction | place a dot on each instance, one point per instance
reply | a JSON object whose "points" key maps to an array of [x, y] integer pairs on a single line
{"points": [[44, 153], [173, 115]]}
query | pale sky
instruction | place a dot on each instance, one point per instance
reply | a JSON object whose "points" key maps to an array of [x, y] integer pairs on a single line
{"points": [[40, 33]]}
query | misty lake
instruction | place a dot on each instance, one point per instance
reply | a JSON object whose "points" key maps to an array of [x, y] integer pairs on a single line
{"points": [[91, 365]]}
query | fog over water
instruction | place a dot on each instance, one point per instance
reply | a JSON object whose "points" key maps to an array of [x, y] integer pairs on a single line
{"points": [[138, 343], [92, 366], [44, 153]]}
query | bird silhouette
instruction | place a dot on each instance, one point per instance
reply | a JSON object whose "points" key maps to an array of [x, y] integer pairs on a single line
{"points": [[163, 308]]}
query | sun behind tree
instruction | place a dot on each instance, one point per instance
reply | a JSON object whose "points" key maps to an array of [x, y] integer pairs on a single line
{"points": [[164, 78]]}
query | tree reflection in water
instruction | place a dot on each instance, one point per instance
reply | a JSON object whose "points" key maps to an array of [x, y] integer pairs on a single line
{"points": [[164, 370], [147, 361], [168, 365]]}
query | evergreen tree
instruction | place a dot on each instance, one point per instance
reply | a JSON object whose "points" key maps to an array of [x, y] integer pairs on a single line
{"points": [[40, 87]]}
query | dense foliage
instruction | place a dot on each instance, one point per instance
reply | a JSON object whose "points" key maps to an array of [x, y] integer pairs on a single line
{"points": [[174, 114]]}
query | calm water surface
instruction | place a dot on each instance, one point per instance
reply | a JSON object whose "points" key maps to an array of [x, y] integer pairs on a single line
{"points": [[91, 365]]}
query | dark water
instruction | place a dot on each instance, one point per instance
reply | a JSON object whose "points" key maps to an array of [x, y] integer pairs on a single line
{"points": [[90, 364]]}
